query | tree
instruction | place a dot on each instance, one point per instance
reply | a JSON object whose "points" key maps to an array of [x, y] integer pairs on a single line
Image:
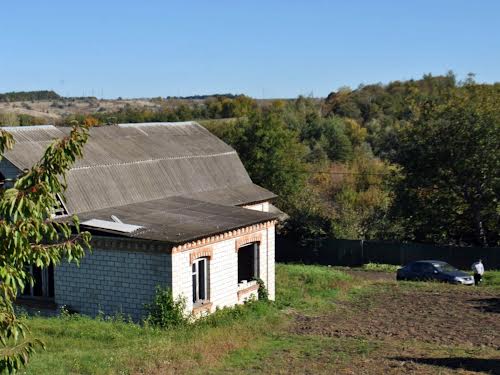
{"points": [[29, 235], [271, 153], [450, 158]]}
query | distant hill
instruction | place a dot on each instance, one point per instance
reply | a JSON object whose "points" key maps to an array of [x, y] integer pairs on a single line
{"points": [[18, 96], [203, 97]]}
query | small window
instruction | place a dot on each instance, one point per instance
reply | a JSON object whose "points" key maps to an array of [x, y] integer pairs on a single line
{"points": [[61, 209], [248, 262], [43, 286], [200, 280]]}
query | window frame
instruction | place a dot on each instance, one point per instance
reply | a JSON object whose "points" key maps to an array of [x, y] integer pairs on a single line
{"points": [[47, 284], [256, 260], [196, 278]]}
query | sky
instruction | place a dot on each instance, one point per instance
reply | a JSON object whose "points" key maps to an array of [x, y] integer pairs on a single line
{"points": [[265, 49]]}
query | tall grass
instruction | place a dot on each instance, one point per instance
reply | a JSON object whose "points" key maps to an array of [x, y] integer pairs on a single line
{"points": [[308, 287]]}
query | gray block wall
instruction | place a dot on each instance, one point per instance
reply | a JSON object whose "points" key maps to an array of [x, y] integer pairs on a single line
{"points": [[112, 281], [9, 171]]}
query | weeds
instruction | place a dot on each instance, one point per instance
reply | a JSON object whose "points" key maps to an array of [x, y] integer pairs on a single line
{"points": [[165, 311]]}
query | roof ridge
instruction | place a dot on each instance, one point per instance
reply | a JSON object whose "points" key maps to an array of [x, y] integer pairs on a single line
{"points": [[28, 128], [153, 160]]}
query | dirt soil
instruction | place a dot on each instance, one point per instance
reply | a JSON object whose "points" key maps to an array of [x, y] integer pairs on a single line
{"points": [[417, 330]]}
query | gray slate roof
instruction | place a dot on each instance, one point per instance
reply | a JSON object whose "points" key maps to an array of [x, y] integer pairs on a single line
{"points": [[127, 167], [177, 219]]}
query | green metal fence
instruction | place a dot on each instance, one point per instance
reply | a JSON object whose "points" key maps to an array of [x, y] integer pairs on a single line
{"points": [[328, 251]]}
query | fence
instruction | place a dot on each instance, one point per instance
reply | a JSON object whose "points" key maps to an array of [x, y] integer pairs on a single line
{"points": [[329, 251]]}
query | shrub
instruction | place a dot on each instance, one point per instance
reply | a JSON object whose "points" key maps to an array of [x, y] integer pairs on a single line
{"points": [[262, 291], [165, 311]]}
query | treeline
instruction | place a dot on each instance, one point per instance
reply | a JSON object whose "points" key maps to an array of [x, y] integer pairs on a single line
{"points": [[203, 97], [19, 96], [218, 107], [415, 160]]}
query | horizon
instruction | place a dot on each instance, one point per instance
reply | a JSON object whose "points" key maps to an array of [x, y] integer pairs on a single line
{"points": [[265, 50]]}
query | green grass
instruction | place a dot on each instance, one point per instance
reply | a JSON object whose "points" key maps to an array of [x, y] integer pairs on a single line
{"points": [[247, 339], [307, 354], [81, 345], [308, 287], [380, 267], [491, 278]]}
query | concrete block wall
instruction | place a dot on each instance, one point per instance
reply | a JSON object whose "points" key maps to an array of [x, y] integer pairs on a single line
{"points": [[223, 270], [112, 281], [9, 170]]}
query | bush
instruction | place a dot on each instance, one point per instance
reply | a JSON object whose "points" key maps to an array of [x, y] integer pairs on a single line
{"points": [[165, 311], [262, 291]]}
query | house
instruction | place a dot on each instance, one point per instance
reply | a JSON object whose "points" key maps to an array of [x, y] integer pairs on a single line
{"points": [[168, 204]]}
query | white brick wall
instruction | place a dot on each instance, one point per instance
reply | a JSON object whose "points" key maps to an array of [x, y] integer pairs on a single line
{"points": [[223, 271]]}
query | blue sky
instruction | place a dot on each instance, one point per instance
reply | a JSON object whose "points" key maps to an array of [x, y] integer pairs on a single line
{"points": [[260, 48]]}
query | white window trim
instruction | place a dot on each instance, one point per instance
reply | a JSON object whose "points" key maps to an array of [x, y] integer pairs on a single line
{"points": [[256, 264], [196, 263]]}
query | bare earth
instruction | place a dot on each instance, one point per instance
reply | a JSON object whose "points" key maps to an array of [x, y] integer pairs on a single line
{"points": [[432, 329]]}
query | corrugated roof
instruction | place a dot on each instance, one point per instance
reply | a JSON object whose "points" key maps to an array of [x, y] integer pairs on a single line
{"points": [[132, 163], [178, 219]]}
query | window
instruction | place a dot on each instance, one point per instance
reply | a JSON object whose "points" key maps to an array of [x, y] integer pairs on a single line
{"points": [[200, 280], [61, 209], [43, 286], [248, 262]]}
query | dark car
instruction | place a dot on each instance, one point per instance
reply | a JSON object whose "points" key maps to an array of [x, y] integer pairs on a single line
{"points": [[433, 270]]}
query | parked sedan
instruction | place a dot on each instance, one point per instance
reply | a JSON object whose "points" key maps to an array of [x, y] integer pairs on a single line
{"points": [[434, 270]]}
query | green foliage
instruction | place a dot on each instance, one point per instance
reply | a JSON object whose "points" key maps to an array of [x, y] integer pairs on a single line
{"points": [[380, 267], [165, 311], [450, 158], [271, 153], [262, 291], [30, 236]]}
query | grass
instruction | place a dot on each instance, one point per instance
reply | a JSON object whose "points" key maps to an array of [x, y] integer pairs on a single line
{"points": [[81, 345], [491, 278], [248, 339], [379, 267], [311, 288]]}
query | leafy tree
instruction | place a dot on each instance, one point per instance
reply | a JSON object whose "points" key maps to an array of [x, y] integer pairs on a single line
{"points": [[271, 153], [450, 157], [29, 235], [335, 141]]}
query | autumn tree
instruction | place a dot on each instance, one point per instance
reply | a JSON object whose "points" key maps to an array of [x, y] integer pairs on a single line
{"points": [[30, 235]]}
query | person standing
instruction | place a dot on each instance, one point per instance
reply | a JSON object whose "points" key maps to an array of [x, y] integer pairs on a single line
{"points": [[478, 269]]}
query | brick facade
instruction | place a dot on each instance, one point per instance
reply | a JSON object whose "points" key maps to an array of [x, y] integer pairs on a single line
{"points": [[121, 276], [223, 269]]}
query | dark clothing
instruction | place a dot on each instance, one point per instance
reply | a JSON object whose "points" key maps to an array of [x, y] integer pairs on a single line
{"points": [[477, 278]]}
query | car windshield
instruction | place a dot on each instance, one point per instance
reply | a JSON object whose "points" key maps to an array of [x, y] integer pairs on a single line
{"points": [[444, 267]]}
